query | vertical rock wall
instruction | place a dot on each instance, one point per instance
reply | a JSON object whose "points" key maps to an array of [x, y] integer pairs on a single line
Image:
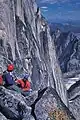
{"points": [[25, 41]]}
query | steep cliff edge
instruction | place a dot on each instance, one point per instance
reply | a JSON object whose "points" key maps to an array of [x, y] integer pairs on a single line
{"points": [[42, 105], [68, 50], [68, 53], [25, 41]]}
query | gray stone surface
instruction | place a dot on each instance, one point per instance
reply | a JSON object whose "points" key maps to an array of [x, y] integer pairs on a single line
{"points": [[68, 53], [38, 105], [67, 49], [30, 99], [13, 105], [2, 117], [51, 107], [25, 41], [74, 99]]}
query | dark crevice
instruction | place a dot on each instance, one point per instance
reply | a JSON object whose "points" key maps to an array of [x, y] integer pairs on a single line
{"points": [[77, 84], [40, 94], [74, 98]]}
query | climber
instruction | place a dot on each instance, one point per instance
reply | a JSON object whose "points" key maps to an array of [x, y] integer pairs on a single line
{"points": [[1, 79], [8, 79], [25, 85]]}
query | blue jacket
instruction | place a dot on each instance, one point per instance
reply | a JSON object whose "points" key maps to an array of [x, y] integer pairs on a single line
{"points": [[8, 79]]}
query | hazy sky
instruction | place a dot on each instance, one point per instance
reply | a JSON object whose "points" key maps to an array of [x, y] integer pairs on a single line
{"points": [[60, 9]]}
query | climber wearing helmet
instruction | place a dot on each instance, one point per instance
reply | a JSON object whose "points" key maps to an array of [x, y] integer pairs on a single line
{"points": [[24, 85], [9, 80], [1, 79], [7, 76], [10, 67]]}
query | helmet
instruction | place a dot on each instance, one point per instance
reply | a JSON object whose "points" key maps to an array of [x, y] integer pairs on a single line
{"points": [[10, 67], [26, 76]]}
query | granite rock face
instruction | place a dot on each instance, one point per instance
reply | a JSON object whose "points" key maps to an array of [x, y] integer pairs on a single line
{"points": [[67, 49], [25, 41], [50, 107], [13, 105], [74, 99], [2, 117], [68, 53], [46, 104]]}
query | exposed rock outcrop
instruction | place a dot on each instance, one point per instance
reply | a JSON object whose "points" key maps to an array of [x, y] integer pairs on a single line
{"points": [[74, 99], [51, 107], [13, 105], [2, 117], [45, 105], [25, 41], [67, 49]]}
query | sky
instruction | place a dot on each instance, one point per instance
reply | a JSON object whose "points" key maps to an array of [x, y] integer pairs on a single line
{"points": [[60, 10]]}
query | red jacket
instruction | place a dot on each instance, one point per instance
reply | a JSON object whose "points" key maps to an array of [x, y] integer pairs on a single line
{"points": [[24, 85], [1, 80]]}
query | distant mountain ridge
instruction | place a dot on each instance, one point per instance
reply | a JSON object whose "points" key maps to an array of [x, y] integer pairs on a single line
{"points": [[65, 27], [67, 49]]}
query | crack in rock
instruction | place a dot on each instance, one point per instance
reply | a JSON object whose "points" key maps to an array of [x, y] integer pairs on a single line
{"points": [[40, 94]]}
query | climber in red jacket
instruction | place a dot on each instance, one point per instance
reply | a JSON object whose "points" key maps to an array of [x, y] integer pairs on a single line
{"points": [[24, 84], [1, 80]]}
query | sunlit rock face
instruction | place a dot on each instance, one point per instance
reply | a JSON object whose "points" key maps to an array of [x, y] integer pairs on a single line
{"points": [[43, 104], [51, 107], [25, 41], [68, 53]]}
